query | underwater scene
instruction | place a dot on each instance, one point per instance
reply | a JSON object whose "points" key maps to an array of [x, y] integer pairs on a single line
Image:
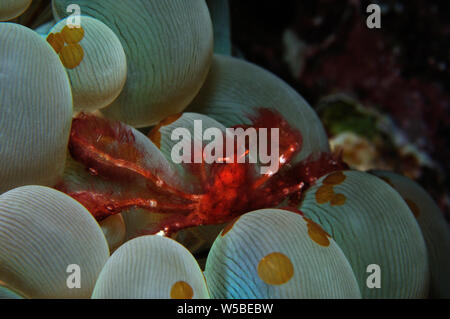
{"points": [[224, 149]]}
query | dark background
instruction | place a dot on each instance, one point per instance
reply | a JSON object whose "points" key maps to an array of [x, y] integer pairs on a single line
{"points": [[401, 70]]}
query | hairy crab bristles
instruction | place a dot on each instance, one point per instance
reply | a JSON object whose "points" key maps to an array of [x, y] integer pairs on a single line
{"points": [[122, 172]]}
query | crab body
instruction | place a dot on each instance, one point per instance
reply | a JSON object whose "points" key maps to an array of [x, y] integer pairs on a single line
{"points": [[119, 170]]}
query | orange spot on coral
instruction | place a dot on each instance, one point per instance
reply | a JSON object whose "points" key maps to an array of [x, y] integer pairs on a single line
{"points": [[316, 233], [155, 134], [413, 207], [338, 200], [71, 55], [229, 226], [324, 194], [181, 290], [72, 35], [56, 41], [275, 269], [334, 179]]}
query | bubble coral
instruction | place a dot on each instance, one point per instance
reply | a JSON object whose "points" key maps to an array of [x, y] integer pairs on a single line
{"points": [[42, 232], [35, 109], [168, 46], [307, 230], [251, 258], [174, 272], [94, 60], [373, 225]]}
